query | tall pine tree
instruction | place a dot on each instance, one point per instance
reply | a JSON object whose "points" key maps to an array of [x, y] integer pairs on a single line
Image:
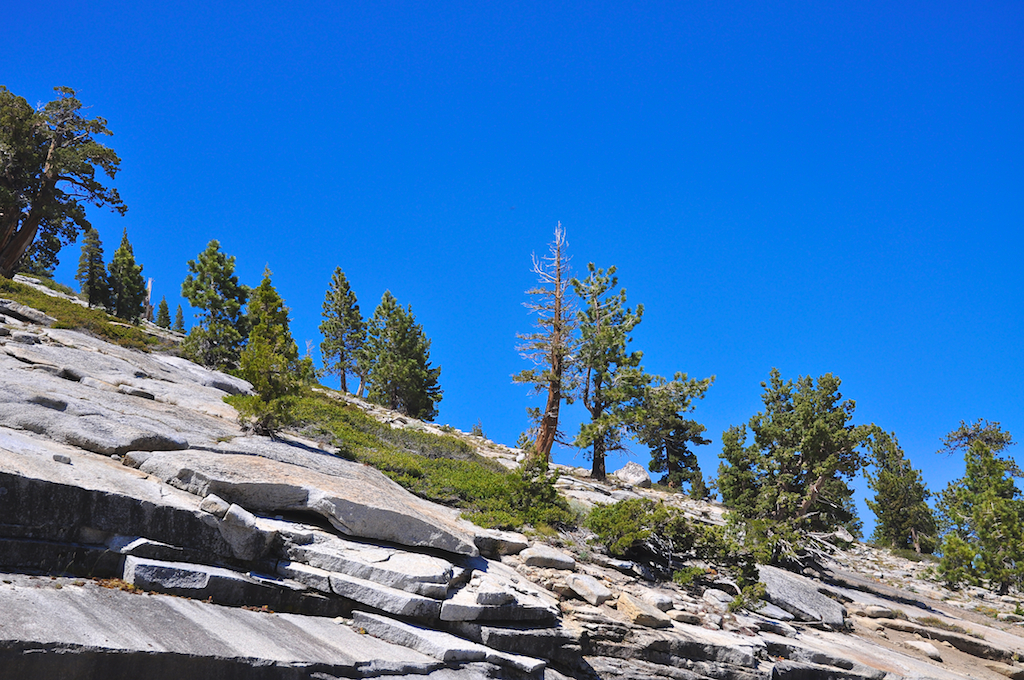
{"points": [[396, 361], [127, 287], [179, 321], [901, 499], [551, 347], [163, 314], [270, 361], [605, 326], [213, 287], [92, 273], [343, 330]]}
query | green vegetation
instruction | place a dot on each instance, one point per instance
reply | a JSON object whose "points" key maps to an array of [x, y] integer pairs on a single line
{"points": [[395, 358], [163, 314], [437, 467], [77, 317], [92, 274], [211, 286], [663, 539], [901, 500], [127, 287], [605, 326], [343, 329], [983, 513], [179, 321], [51, 157], [793, 477], [270, 361]]}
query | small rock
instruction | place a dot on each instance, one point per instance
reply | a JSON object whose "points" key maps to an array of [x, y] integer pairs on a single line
{"points": [[493, 543], [641, 613], [685, 617], [875, 611], [717, 598], [135, 392], [1010, 617], [589, 588], [634, 474], [926, 648], [1012, 672], [546, 556], [215, 505], [61, 458], [25, 338], [659, 600]]}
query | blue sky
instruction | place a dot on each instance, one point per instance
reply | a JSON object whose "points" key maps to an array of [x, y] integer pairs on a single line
{"points": [[819, 187]]}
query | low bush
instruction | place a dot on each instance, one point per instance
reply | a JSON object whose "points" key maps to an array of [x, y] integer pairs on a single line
{"points": [[439, 468]]}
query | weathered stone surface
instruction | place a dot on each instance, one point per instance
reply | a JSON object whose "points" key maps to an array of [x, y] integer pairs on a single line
{"points": [[493, 543], [926, 648], [1012, 672], [660, 600], [964, 643], [641, 613], [799, 596], [215, 505], [796, 670], [440, 645], [416, 573], [634, 474], [557, 643], [384, 598], [589, 588], [464, 605], [542, 555], [238, 527], [27, 314], [875, 611], [356, 499], [63, 633]]}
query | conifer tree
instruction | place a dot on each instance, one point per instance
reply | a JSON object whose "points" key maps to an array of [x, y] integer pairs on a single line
{"points": [[550, 348], [986, 543], [179, 321], [901, 500], [343, 330], [396, 361], [213, 287], [804, 451], [127, 287], [661, 423], [270, 361], [163, 314], [92, 273], [605, 325]]}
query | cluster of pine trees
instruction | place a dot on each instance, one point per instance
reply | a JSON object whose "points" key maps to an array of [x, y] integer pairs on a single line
{"points": [[118, 287]]}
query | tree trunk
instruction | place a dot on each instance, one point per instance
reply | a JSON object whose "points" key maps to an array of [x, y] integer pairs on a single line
{"points": [[597, 470], [344, 382], [549, 422]]}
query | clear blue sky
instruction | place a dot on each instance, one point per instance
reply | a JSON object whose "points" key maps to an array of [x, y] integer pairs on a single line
{"points": [[821, 187]]}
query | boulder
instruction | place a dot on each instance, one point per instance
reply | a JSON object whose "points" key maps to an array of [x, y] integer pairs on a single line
{"points": [[493, 543], [642, 614], [589, 588], [384, 598], [19, 311], [634, 474], [926, 648], [799, 596], [542, 555], [356, 499]]}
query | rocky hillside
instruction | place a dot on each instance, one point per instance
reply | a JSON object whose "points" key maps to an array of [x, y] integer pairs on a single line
{"points": [[142, 534]]}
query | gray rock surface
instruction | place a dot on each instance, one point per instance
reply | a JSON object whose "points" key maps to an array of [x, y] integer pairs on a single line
{"points": [[542, 555], [358, 500], [589, 588], [634, 474], [800, 597]]}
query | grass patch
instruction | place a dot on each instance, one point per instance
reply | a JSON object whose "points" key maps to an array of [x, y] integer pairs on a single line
{"points": [[70, 315], [439, 468]]}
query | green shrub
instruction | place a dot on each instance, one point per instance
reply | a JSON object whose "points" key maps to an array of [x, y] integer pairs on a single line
{"points": [[440, 468]]}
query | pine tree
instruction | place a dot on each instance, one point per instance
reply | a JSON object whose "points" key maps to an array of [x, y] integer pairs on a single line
{"points": [[901, 500], [212, 286], [163, 314], [605, 325], [343, 330], [550, 348], [803, 452], [396, 361], [92, 273], [662, 425], [270, 361], [179, 321], [986, 543], [127, 287]]}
